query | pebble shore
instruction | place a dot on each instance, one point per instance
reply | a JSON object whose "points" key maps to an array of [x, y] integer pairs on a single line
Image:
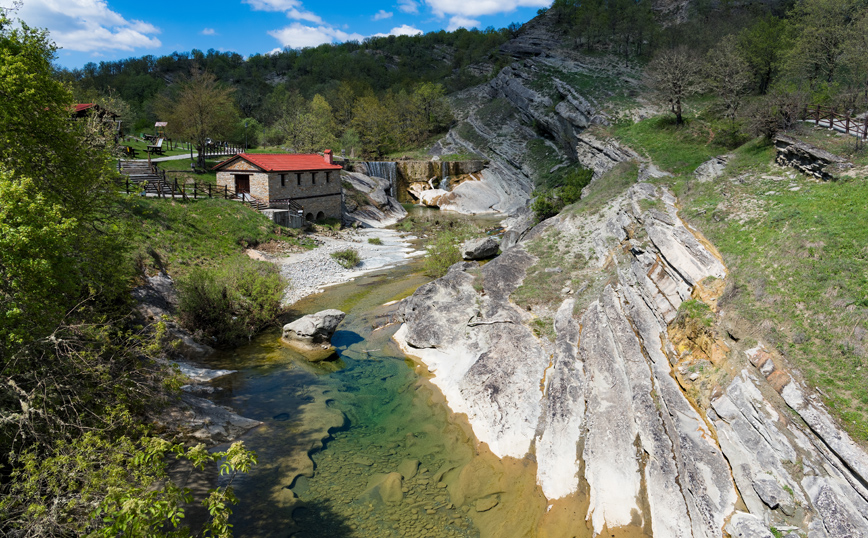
{"points": [[309, 272]]}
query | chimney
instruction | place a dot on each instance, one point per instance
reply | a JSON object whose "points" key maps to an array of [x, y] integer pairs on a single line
{"points": [[328, 156]]}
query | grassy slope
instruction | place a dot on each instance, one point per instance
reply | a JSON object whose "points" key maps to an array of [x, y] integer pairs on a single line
{"points": [[201, 232], [796, 258]]}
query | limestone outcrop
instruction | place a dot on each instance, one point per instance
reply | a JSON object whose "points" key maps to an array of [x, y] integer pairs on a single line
{"points": [[366, 201], [480, 248], [599, 402], [807, 159]]}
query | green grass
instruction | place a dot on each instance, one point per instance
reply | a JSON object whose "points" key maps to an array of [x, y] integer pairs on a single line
{"points": [[676, 150], [375, 241], [183, 235], [180, 170], [141, 149]]}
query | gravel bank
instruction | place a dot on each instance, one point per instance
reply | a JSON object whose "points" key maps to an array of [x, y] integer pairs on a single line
{"points": [[309, 272]]}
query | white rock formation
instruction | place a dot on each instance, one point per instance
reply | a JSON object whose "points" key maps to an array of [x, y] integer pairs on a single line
{"points": [[602, 398]]}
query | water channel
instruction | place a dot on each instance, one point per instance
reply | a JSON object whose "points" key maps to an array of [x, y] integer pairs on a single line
{"points": [[374, 413]]}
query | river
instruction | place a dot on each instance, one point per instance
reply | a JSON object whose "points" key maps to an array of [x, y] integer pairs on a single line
{"points": [[374, 411]]}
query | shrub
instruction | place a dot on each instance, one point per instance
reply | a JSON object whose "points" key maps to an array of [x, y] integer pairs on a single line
{"points": [[348, 258], [443, 252], [231, 302], [375, 241]]}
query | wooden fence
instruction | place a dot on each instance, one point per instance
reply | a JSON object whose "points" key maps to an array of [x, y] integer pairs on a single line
{"points": [[825, 116]]}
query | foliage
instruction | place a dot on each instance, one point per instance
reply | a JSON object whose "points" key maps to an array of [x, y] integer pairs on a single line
{"points": [[550, 203], [442, 253], [56, 196], [348, 258], [178, 236], [694, 311], [200, 107], [762, 46], [232, 302], [375, 241]]}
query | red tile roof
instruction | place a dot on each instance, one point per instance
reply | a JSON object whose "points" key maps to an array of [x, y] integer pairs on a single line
{"points": [[283, 162], [83, 106]]}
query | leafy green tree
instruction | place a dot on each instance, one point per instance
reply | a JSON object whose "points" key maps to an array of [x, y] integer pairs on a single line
{"points": [[822, 30], [762, 46], [198, 109], [57, 194], [373, 122]]}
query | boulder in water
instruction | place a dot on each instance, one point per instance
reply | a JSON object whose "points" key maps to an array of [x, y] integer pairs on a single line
{"points": [[312, 334], [480, 249]]}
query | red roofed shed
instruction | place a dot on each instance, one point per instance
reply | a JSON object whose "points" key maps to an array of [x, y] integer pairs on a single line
{"points": [[312, 181]]}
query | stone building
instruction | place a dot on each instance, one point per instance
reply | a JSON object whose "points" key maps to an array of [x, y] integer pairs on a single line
{"points": [[311, 181]]}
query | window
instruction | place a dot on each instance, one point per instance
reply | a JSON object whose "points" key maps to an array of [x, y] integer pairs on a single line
{"points": [[298, 179], [313, 178], [283, 180], [327, 176]]}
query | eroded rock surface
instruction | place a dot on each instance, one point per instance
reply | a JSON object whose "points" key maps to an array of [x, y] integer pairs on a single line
{"points": [[599, 403], [367, 202]]}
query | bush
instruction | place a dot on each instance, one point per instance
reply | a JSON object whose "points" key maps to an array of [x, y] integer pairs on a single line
{"points": [[232, 302], [348, 258], [443, 252], [375, 241], [550, 203]]}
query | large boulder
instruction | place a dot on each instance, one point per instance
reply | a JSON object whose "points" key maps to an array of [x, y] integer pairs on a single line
{"points": [[480, 248], [312, 334]]}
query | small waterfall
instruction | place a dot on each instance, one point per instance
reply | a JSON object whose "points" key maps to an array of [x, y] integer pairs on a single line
{"points": [[385, 170], [444, 175]]}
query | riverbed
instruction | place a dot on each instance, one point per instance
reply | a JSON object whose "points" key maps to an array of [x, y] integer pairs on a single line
{"points": [[333, 429]]}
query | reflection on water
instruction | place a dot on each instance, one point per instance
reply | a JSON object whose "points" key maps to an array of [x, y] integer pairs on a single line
{"points": [[336, 433]]}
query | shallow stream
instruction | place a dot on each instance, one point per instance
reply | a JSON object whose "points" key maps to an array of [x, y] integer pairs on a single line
{"points": [[370, 408]]}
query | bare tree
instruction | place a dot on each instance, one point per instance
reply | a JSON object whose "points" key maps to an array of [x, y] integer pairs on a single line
{"points": [[728, 75], [675, 74]]}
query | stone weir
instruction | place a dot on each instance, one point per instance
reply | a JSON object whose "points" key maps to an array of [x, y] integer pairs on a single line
{"points": [[409, 179], [602, 405]]}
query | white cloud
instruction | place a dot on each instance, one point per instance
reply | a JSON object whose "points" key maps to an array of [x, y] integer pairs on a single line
{"points": [[209, 31], [88, 25], [408, 6], [382, 14], [404, 29], [477, 8], [292, 8], [458, 21], [297, 35]]}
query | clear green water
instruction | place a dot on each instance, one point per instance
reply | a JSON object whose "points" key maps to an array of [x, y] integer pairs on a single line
{"points": [[378, 412]]}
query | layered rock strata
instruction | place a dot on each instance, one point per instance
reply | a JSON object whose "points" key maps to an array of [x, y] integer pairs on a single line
{"points": [[598, 404]]}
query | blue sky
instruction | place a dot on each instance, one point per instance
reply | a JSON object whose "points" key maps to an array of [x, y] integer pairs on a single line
{"points": [[97, 30]]}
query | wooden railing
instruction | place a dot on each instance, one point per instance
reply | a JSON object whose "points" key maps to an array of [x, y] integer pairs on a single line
{"points": [[164, 188], [218, 150], [825, 116]]}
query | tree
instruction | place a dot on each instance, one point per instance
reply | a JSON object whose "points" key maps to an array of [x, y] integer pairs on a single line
{"points": [[200, 108], [675, 74], [822, 30], [57, 195], [728, 75], [762, 46]]}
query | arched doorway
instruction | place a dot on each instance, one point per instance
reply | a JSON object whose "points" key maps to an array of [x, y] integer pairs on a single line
{"points": [[309, 217], [320, 215]]}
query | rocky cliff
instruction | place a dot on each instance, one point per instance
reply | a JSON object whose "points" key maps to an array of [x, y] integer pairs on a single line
{"points": [[575, 348], [527, 119]]}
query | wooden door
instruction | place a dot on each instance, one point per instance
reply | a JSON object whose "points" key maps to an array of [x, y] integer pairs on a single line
{"points": [[242, 184]]}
